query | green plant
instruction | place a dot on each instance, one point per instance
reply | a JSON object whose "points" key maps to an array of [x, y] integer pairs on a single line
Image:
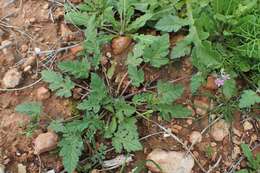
{"points": [[253, 162], [216, 35], [32, 109]]}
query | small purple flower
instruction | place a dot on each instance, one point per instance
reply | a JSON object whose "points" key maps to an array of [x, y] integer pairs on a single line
{"points": [[223, 77], [219, 82]]}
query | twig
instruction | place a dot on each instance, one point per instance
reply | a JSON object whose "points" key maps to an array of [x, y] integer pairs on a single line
{"points": [[56, 50], [177, 139], [122, 93], [22, 88], [235, 165], [120, 83], [215, 165]]}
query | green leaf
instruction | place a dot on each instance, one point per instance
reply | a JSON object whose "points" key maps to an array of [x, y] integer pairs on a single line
{"points": [[248, 99], [123, 109], [142, 98], [196, 81], [126, 136], [242, 171], [156, 53], [168, 111], [71, 147], [62, 86], [247, 152], [229, 88], [139, 22], [30, 108], [171, 23], [97, 94], [79, 69], [136, 76], [57, 126], [168, 93]]}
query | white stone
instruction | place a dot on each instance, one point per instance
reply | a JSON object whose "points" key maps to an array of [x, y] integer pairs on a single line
{"points": [[247, 125], [12, 78], [195, 137], [21, 168], [170, 162], [220, 130], [2, 168]]}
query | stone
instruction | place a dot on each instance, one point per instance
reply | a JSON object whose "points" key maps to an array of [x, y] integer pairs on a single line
{"points": [[220, 130], [21, 168], [2, 168], [51, 171], [76, 49], [45, 142], [120, 44], [29, 61], [211, 85], [236, 152], [42, 93], [202, 105], [176, 128], [195, 137], [170, 162], [24, 48], [12, 78], [247, 126]]}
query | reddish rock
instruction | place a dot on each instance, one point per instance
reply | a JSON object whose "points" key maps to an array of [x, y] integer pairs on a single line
{"points": [[12, 78], [42, 93], [76, 49], [24, 48], [120, 44], [45, 142], [211, 85]]}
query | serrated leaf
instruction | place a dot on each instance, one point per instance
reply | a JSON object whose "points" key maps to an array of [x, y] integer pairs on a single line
{"points": [[168, 93], [156, 53], [168, 111], [139, 99], [71, 147], [196, 81], [79, 69], [30, 108], [97, 94], [182, 47], [229, 88], [139, 22], [126, 136], [57, 126], [248, 99], [136, 76], [171, 23], [62, 86], [123, 109]]}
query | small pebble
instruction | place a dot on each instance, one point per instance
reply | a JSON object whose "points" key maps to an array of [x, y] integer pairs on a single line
{"points": [[21, 168], [247, 125], [12, 78], [220, 130], [195, 137], [24, 48], [45, 142], [42, 93]]}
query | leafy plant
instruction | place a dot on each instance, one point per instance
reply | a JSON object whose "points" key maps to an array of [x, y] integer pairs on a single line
{"points": [[253, 162], [62, 86]]}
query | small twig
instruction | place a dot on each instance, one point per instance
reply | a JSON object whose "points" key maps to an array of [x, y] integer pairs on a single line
{"points": [[177, 139], [22, 88], [120, 83], [40, 162], [128, 84], [215, 165]]}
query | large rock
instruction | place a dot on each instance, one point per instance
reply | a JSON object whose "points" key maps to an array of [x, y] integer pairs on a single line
{"points": [[45, 142], [170, 162], [2, 168], [12, 78], [120, 44], [219, 130]]}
